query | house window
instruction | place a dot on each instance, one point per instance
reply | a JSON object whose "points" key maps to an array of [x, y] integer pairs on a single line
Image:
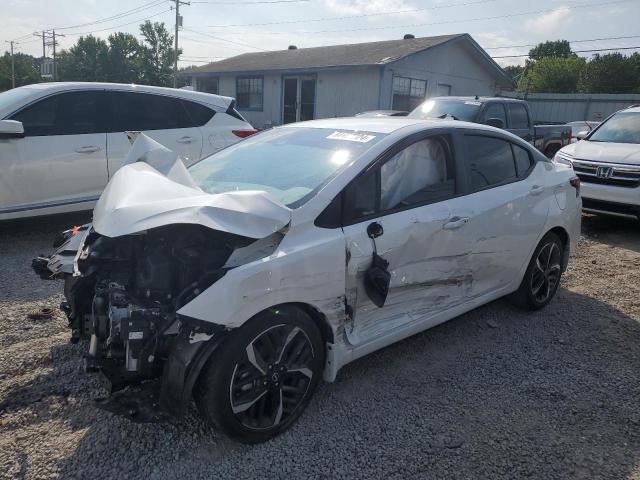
{"points": [[408, 93], [208, 84], [249, 93]]}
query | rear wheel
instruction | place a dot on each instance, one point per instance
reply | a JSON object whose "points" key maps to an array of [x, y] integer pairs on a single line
{"points": [[263, 377], [542, 278]]}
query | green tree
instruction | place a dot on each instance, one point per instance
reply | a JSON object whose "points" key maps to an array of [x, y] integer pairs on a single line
{"points": [[552, 75], [555, 48], [157, 54], [124, 59], [514, 71], [27, 70], [86, 61], [610, 73]]}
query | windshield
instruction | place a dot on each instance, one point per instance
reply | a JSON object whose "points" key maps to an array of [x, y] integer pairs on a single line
{"points": [[288, 163], [623, 127], [466, 110], [14, 95]]}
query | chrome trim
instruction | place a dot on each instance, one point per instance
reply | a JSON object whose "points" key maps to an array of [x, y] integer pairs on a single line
{"points": [[57, 203], [613, 177], [620, 167]]}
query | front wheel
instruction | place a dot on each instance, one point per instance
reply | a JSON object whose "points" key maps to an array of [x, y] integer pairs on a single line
{"points": [[263, 377], [542, 278]]}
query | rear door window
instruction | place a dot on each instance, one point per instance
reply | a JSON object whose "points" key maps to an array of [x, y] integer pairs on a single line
{"points": [[69, 113], [518, 115], [490, 161], [495, 110], [133, 111]]}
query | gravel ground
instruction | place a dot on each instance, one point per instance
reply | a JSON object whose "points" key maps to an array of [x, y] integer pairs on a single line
{"points": [[495, 393]]}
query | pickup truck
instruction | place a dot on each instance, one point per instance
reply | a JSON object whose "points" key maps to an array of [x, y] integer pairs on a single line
{"points": [[507, 113]]}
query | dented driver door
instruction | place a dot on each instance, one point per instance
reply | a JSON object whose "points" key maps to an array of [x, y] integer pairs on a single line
{"points": [[426, 260]]}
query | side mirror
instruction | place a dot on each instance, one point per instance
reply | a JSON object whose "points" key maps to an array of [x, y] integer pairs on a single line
{"points": [[495, 122], [581, 135], [11, 129]]}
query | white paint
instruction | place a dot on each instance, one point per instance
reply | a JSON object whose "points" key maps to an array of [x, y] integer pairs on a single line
{"points": [[70, 171], [437, 272], [154, 188]]}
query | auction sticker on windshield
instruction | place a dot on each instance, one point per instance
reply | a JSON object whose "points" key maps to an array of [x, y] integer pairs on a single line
{"points": [[351, 137]]}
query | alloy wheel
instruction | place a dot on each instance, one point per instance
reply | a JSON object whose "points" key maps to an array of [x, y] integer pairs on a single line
{"points": [[272, 378], [546, 273]]}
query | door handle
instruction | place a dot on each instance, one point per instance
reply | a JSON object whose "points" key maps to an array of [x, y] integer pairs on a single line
{"points": [[456, 222], [87, 149], [536, 190], [185, 140]]}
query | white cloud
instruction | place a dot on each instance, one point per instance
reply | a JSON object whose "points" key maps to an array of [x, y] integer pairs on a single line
{"points": [[491, 39], [549, 22], [360, 7]]}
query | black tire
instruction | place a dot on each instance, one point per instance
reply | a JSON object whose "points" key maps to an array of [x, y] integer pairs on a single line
{"points": [[262, 378], [542, 278]]}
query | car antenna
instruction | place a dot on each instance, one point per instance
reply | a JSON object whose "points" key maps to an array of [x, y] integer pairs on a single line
{"points": [[477, 97]]}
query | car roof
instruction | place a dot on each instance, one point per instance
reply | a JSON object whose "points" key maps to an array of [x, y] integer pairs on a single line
{"points": [[385, 124], [218, 101], [633, 109], [479, 99]]}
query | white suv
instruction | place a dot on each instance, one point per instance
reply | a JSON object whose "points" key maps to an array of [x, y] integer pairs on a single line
{"points": [[608, 164], [60, 143]]}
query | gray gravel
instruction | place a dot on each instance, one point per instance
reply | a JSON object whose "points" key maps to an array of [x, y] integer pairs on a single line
{"points": [[496, 393]]}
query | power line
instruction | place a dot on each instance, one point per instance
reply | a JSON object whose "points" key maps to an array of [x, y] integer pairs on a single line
{"points": [[222, 39], [577, 51], [118, 26], [326, 19], [126, 13], [144, 6], [446, 22], [570, 41], [238, 4]]}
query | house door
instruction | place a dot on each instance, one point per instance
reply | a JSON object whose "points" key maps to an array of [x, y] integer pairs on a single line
{"points": [[298, 99]]}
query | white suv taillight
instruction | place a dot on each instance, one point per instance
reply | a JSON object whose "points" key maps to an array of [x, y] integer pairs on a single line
{"points": [[244, 133]]}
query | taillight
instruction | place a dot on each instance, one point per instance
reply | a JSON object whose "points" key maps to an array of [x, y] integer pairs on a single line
{"points": [[575, 183], [244, 133]]}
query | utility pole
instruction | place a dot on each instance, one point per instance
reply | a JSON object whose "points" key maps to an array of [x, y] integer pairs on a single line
{"points": [[54, 54], [13, 66], [175, 40]]}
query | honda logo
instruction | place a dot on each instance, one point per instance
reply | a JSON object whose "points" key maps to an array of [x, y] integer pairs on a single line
{"points": [[604, 172]]}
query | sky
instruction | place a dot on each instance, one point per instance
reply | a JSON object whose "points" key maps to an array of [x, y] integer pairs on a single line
{"points": [[215, 29]]}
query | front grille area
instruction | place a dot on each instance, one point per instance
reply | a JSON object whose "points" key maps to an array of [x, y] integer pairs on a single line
{"points": [[613, 207], [620, 175]]}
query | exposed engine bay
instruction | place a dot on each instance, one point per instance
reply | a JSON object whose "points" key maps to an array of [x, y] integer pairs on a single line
{"points": [[122, 293]]}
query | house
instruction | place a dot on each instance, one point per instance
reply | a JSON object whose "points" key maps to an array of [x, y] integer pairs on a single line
{"points": [[297, 84]]}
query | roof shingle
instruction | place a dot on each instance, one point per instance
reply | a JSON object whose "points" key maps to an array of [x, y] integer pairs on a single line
{"points": [[371, 53]]}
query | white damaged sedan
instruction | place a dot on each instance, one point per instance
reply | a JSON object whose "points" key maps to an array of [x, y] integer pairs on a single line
{"points": [[244, 279]]}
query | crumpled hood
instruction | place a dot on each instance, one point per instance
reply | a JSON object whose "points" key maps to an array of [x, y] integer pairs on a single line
{"points": [[628, 153], [154, 188]]}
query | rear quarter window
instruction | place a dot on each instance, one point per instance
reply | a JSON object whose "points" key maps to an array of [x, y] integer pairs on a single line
{"points": [[198, 113]]}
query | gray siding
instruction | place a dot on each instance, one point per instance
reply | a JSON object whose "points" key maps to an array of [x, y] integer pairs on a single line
{"points": [[346, 91], [343, 93], [562, 107], [454, 64]]}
